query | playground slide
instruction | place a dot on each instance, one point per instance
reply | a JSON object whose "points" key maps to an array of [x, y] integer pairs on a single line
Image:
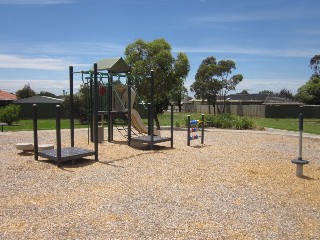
{"points": [[137, 123]]}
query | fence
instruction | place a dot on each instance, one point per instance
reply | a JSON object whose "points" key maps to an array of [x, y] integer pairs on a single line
{"points": [[263, 111]]}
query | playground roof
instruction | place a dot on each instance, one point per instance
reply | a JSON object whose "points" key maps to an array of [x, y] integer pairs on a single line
{"points": [[114, 65], [39, 99], [4, 96]]}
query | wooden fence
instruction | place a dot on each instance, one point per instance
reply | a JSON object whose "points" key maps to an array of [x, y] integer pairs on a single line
{"points": [[263, 111]]}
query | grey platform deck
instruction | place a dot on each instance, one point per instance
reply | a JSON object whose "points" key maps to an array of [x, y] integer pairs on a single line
{"points": [[68, 153], [147, 139]]}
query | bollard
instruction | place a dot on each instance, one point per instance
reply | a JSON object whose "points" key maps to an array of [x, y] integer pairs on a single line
{"points": [[300, 162]]}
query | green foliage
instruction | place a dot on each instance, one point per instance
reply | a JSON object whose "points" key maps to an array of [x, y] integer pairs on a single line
{"points": [[48, 94], [286, 93], [310, 92], [80, 104], [169, 72], [315, 64], [226, 120], [10, 114], [213, 79], [25, 92], [266, 91]]}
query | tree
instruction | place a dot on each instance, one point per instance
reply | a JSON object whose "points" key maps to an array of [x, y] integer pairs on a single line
{"points": [[169, 73], [206, 86], [48, 94], [225, 68], [286, 93], [25, 92], [80, 103], [10, 114], [310, 92], [181, 70], [245, 91], [213, 80], [315, 64], [266, 91]]}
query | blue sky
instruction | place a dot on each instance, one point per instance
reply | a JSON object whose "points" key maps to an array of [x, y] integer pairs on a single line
{"points": [[271, 41]]}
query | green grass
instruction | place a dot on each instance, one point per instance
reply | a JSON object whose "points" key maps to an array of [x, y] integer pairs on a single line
{"points": [[43, 124], [291, 124]]}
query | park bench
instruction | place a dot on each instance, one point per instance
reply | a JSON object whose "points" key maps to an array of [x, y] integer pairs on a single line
{"points": [[3, 124]]}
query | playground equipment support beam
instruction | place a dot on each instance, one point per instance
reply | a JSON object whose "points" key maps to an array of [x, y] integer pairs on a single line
{"points": [[95, 110], [71, 106], [129, 111], [35, 131], [152, 108]]}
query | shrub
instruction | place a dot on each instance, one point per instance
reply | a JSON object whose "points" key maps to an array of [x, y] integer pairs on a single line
{"points": [[227, 120], [10, 114]]}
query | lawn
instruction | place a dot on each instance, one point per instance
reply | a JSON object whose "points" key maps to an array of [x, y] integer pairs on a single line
{"points": [[310, 125]]}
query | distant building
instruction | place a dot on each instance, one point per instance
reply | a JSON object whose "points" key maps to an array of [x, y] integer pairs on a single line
{"points": [[46, 106], [6, 98], [259, 98]]}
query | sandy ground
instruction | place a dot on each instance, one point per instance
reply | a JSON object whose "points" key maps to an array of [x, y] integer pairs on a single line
{"points": [[238, 185]]}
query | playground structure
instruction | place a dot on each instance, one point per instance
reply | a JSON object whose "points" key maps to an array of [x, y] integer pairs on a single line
{"points": [[113, 108], [193, 126], [117, 102], [68, 153]]}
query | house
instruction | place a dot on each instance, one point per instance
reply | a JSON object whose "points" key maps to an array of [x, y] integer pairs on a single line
{"points": [[46, 106], [263, 105], [259, 98], [6, 98]]}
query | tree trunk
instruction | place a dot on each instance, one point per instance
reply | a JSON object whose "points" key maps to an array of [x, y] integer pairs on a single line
{"points": [[157, 121]]}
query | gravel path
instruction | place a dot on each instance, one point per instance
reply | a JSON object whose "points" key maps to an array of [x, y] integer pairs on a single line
{"points": [[238, 185]]}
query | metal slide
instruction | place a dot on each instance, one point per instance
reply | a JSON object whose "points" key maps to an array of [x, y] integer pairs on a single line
{"points": [[138, 124]]}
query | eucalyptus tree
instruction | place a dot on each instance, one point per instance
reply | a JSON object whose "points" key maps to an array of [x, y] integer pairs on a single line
{"points": [[25, 92], [213, 81], [310, 92], [169, 72]]}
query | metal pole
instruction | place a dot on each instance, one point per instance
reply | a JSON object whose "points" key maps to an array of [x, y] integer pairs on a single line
{"points": [[71, 106], [300, 162], [129, 110], [202, 129], [300, 135], [91, 108], [171, 126], [109, 108], [95, 110], [149, 118], [188, 137], [58, 134], [35, 131], [152, 107]]}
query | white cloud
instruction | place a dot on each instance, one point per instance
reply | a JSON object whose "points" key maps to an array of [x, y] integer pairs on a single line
{"points": [[275, 85], [49, 85], [18, 62], [258, 15], [64, 48], [292, 52], [34, 2]]}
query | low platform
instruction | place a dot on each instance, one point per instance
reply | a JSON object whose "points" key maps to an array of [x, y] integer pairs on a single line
{"points": [[68, 153], [147, 139], [25, 147]]}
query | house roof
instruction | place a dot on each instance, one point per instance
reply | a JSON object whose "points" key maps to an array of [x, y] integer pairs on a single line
{"points": [[115, 65], [248, 97], [5, 96], [39, 99]]}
